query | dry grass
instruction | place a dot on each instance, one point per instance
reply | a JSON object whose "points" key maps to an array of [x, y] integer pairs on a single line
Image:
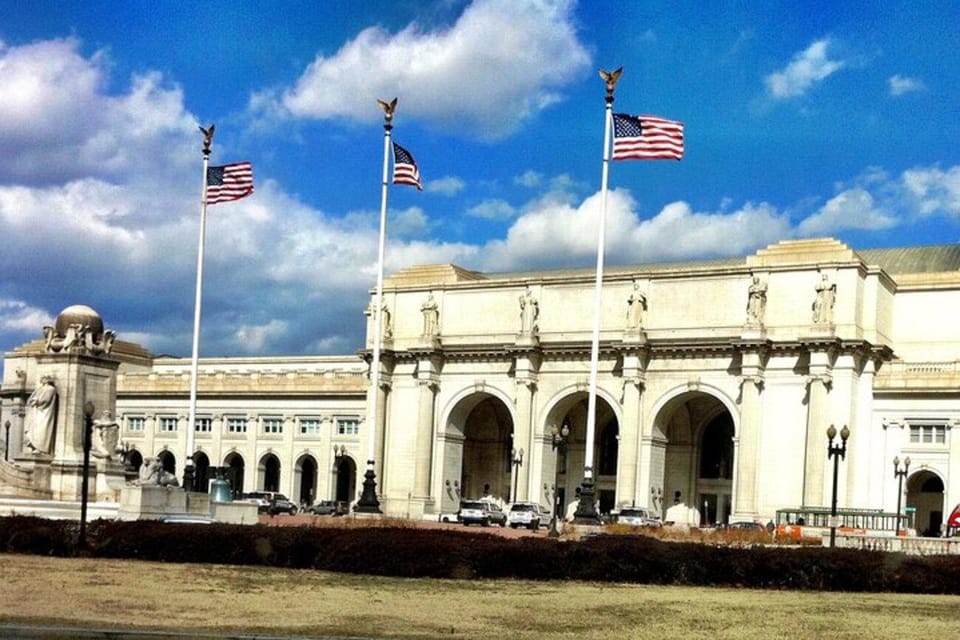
{"points": [[249, 600]]}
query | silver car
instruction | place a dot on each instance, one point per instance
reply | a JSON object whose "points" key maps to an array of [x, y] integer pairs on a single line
{"points": [[526, 514], [482, 512], [637, 517]]}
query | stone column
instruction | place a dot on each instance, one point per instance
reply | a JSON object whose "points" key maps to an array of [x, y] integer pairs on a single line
{"points": [[748, 453], [424, 456], [818, 420], [523, 438]]}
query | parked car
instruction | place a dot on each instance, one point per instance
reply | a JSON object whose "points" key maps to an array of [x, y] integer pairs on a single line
{"points": [[187, 518], [636, 517], [271, 502], [323, 508], [449, 517], [526, 514], [482, 512], [747, 526]]}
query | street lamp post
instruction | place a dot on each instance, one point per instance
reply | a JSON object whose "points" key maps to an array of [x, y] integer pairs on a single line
{"points": [[88, 410], [837, 452], [559, 444], [517, 459], [900, 474]]}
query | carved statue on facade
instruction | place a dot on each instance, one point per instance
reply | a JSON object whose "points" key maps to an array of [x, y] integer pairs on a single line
{"points": [[823, 303], [636, 306], [78, 338], [529, 313], [431, 317], [105, 442], [41, 418], [756, 301]]}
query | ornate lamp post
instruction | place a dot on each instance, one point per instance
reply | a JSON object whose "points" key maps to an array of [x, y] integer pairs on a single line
{"points": [[517, 460], [900, 474], [88, 411], [558, 443], [837, 452]]}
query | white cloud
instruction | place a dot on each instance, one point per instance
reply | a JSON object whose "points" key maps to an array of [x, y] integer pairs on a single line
{"points": [[500, 63], [851, 209], [445, 186], [495, 209], [900, 85], [529, 179], [932, 190], [17, 315], [807, 68]]}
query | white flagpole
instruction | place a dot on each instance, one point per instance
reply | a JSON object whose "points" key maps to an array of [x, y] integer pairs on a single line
{"points": [[368, 502], [195, 357], [587, 507]]}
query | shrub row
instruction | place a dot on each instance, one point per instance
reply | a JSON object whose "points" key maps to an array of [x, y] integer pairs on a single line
{"points": [[412, 552]]}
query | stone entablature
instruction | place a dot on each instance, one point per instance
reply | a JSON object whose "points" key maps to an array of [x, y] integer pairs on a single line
{"points": [[918, 376], [246, 383]]}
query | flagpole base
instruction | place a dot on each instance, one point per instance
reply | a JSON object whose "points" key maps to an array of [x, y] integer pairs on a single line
{"points": [[586, 510], [368, 502]]}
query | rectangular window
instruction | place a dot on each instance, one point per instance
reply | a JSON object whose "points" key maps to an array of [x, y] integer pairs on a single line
{"points": [[348, 426], [236, 425], [310, 426], [273, 425], [136, 423], [168, 424], [928, 434], [203, 425]]}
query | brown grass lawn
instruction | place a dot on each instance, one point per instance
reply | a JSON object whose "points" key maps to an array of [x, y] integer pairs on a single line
{"points": [[126, 594]]}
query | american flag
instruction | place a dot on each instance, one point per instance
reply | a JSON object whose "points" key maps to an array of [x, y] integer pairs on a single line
{"points": [[405, 168], [229, 182], [646, 138]]}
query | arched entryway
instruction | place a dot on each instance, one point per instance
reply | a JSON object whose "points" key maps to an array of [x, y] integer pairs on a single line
{"points": [[569, 415], [201, 471], [268, 473], [692, 460], [345, 483], [234, 466], [924, 502], [477, 447], [168, 461], [305, 479], [134, 460]]}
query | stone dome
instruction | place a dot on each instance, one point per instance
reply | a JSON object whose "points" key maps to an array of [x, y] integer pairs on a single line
{"points": [[79, 314]]}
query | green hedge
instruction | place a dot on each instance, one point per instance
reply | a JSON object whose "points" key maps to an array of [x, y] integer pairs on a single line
{"points": [[412, 552]]}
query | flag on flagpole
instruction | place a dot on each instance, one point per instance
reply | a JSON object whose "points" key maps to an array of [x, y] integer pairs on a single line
{"points": [[405, 169], [229, 182], [646, 138]]}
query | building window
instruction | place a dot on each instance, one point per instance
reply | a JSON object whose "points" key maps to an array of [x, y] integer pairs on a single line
{"points": [[136, 423], [310, 426], [348, 426], [236, 425], [928, 434], [203, 425], [273, 425], [168, 424]]}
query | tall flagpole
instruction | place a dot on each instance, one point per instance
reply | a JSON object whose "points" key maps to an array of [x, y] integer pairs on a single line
{"points": [[586, 510], [368, 502], [188, 479]]}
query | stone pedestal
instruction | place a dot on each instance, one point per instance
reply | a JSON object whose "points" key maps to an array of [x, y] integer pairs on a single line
{"points": [[151, 502], [111, 479]]}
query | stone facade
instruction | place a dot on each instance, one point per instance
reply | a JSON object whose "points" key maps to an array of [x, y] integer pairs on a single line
{"points": [[717, 381]]}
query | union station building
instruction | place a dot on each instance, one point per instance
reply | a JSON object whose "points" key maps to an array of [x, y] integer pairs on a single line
{"points": [[717, 383]]}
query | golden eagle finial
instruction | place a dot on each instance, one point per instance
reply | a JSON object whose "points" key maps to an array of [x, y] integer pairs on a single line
{"points": [[207, 138], [388, 109], [611, 77]]}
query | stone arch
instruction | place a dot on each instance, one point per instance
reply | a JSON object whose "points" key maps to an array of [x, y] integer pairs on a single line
{"points": [[475, 441], [268, 472], [925, 501], [134, 460], [168, 460], [692, 455], [201, 471], [305, 479], [563, 468], [234, 465], [345, 479]]}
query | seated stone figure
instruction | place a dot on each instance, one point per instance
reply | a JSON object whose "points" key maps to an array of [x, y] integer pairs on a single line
{"points": [[152, 473]]}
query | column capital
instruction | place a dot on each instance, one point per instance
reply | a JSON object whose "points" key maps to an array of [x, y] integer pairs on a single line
{"points": [[825, 378], [888, 423], [756, 379]]}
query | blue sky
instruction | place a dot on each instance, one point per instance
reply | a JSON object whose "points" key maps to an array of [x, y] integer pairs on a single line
{"points": [[803, 119]]}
